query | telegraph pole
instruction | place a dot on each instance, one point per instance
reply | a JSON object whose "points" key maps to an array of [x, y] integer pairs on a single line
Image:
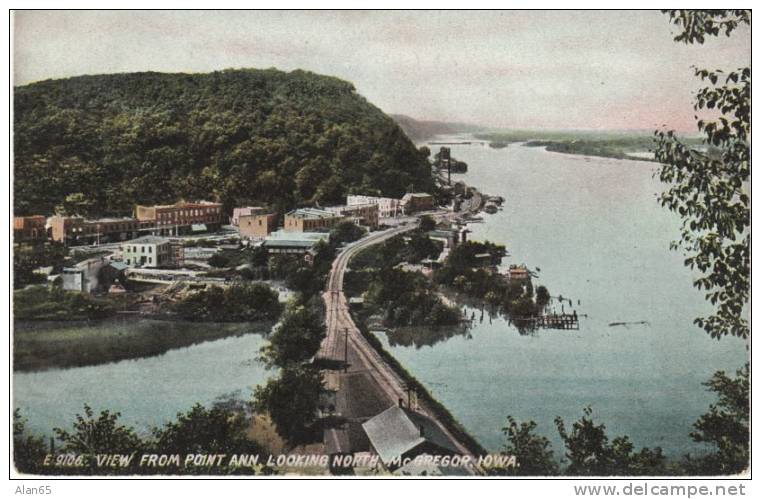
{"points": [[346, 349]]}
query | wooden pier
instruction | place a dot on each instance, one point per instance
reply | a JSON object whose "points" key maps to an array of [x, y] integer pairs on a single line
{"points": [[557, 321]]}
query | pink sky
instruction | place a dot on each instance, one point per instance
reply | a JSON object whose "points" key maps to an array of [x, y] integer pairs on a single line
{"points": [[510, 69]]}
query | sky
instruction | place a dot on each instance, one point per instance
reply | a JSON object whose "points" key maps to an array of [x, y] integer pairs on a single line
{"points": [[502, 69]]}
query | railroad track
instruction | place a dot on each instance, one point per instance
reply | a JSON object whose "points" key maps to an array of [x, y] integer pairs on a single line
{"points": [[341, 328]]}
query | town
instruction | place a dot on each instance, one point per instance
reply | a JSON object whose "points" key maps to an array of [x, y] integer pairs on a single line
{"points": [[366, 405]]}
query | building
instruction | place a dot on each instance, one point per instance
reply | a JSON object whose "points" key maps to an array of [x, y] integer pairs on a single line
{"points": [[367, 214], [182, 217], [399, 433], [244, 211], [84, 275], [78, 230], [257, 226], [450, 237], [294, 243], [387, 207], [148, 251], [518, 273], [413, 202], [29, 229], [310, 220]]}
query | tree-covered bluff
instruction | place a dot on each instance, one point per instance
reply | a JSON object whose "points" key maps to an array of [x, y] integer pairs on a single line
{"points": [[237, 136]]}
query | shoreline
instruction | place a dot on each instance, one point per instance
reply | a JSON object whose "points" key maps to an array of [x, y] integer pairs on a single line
{"points": [[65, 345]]}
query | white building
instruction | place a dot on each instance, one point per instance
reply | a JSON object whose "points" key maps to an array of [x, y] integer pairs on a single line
{"points": [[387, 207], [83, 276], [147, 251]]}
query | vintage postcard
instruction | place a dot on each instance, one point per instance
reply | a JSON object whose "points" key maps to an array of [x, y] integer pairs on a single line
{"points": [[377, 244]]}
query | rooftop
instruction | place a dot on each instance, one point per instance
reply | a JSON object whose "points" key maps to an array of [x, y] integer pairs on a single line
{"points": [[282, 235], [397, 430], [310, 213], [148, 240]]}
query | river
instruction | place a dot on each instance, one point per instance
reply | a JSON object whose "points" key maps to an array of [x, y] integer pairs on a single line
{"points": [[148, 391], [594, 228]]}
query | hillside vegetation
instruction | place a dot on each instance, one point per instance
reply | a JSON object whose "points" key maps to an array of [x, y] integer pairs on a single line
{"points": [[103, 143]]}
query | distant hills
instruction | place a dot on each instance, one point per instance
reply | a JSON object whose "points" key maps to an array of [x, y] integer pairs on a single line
{"points": [[419, 130], [96, 145]]}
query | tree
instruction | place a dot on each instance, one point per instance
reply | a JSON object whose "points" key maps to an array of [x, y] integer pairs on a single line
{"points": [[296, 338], [710, 189], [589, 452], [542, 298], [28, 450], [291, 400], [725, 426], [346, 232], [427, 223], [532, 452], [205, 431], [101, 435]]}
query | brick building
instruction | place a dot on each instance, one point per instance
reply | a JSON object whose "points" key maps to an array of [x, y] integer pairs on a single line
{"points": [[257, 226], [29, 229], [245, 211], [310, 219], [78, 230], [387, 207], [361, 214], [181, 217], [413, 202]]}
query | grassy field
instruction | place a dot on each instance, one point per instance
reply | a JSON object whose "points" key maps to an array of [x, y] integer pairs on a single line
{"points": [[45, 345]]}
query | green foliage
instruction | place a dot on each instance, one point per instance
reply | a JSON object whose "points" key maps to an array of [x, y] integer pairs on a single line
{"points": [[198, 431], [710, 190], [427, 223], [205, 431], [299, 275], [239, 302], [532, 452], [99, 144], [697, 24], [291, 400], [346, 232], [103, 434], [28, 257], [726, 426], [53, 303], [296, 338], [28, 450], [405, 299], [589, 452]]}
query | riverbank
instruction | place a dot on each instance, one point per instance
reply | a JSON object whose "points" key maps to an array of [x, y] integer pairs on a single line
{"points": [[46, 345]]}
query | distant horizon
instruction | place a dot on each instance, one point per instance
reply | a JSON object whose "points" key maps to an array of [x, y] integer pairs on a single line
{"points": [[530, 70]]}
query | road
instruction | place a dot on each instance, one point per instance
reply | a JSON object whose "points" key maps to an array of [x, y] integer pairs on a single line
{"points": [[380, 386]]}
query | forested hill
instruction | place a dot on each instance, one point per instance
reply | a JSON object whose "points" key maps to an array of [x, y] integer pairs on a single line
{"points": [[97, 145], [419, 130]]}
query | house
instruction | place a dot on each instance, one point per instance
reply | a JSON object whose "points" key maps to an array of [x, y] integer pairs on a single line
{"points": [[257, 226], [361, 214], [518, 273], [148, 252], [29, 229], [414, 202], [295, 243], [399, 433], [310, 220], [450, 237], [78, 230], [181, 218], [84, 275], [245, 211], [387, 207]]}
